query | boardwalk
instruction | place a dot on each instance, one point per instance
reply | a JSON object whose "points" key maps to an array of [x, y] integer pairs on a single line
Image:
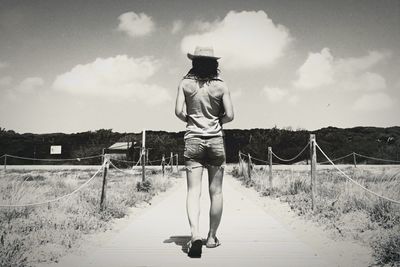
{"points": [[158, 237]]}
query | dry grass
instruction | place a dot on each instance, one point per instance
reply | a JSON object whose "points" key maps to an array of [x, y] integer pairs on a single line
{"points": [[340, 205], [30, 235]]}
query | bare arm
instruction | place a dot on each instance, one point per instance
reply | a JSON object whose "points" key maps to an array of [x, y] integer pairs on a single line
{"points": [[180, 103], [227, 102]]}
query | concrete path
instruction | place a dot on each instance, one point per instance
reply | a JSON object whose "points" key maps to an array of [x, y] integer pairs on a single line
{"points": [[158, 237]]}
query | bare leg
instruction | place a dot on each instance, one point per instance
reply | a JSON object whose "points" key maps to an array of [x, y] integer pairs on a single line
{"points": [[215, 178], [194, 177]]}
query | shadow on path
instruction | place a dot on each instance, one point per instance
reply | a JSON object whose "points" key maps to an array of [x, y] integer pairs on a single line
{"points": [[180, 240]]}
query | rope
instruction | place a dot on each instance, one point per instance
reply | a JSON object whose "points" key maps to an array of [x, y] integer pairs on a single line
{"points": [[353, 181], [125, 161], [140, 158], [58, 198], [368, 157], [267, 162], [120, 170], [74, 159], [336, 159], [2, 156], [294, 156]]}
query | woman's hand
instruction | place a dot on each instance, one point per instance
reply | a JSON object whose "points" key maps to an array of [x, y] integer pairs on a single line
{"points": [[179, 104], [228, 107]]}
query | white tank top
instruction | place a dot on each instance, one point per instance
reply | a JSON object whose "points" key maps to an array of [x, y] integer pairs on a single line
{"points": [[204, 107]]}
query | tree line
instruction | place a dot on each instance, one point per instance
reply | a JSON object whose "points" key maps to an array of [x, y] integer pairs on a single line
{"points": [[336, 142]]}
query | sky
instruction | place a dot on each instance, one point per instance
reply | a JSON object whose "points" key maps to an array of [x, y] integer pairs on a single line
{"points": [[74, 66]]}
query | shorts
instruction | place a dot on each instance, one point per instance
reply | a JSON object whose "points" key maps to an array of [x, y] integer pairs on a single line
{"points": [[204, 151]]}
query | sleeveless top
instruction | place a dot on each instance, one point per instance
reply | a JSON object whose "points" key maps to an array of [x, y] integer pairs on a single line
{"points": [[204, 107]]}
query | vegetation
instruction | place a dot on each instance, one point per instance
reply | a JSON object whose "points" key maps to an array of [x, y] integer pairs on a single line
{"points": [[30, 235], [372, 141], [340, 205]]}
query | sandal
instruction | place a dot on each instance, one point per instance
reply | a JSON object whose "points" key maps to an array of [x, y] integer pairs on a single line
{"points": [[216, 244], [194, 248]]}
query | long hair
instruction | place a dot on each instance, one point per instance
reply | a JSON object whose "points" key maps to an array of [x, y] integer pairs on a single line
{"points": [[204, 69]]}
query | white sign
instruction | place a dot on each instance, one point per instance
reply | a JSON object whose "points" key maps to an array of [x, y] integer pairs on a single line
{"points": [[55, 150]]}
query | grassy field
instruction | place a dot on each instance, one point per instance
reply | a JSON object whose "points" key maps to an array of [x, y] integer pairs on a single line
{"points": [[340, 205], [29, 235]]}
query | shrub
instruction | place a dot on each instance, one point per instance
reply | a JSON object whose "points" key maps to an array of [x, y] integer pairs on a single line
{"points": [[144, 186], [387, 247]]}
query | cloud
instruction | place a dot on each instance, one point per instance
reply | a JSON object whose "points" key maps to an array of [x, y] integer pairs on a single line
{"points": [[3, 64], [236, 94], [116, 77], [244, 40], [177, 26], [135, 24], [366, 81], [353, 64], [278, 95], [316, 71], [6, 80], [373, 102], [30, 84], [293, 99], [274, 94], [322, 70]]}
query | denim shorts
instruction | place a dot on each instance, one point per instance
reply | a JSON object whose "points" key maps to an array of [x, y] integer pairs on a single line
{"points": [[204, 151]]}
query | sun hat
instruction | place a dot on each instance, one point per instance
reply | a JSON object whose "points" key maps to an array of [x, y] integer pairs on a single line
{"points": [[202, 52]]}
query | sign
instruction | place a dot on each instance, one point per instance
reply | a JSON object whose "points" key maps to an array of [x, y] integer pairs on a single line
{"points": [[55, 150]]}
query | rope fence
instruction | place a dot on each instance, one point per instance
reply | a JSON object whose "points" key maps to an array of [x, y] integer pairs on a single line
{"points": [[55, 199], [354, 181], [295, 157], [107, 162], [246, 168], [55, 160]]}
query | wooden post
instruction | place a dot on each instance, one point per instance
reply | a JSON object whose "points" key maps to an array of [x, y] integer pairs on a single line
{"points": [[249, 166], [147, 156], [354, 160], [143, 163], [270, 165], [102, 155], [163, 165], [240, 163], [313, 157], [5, 162], [171, 161], [143, 156], [177, 157], [106, 165]]}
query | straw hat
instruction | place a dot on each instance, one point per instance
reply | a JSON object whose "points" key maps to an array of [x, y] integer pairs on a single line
{"points": [[202, 52]]}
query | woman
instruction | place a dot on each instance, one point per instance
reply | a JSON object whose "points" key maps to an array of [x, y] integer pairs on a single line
{"points": [[208, 106]]}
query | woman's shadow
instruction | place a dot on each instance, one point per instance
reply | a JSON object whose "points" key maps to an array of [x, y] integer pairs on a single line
{"points": [[180, 240]]}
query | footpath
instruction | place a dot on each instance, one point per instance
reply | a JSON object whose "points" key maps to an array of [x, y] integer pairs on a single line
{"points": [[158, 237]]}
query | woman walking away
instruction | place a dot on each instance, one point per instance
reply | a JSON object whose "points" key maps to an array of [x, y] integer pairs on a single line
{"points": [[208, 107]]}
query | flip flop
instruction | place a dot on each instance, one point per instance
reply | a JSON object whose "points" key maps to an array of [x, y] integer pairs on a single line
{"points": [[194, 248], [216, 244]]}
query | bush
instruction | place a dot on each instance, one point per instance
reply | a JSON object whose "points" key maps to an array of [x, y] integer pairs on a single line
{"points": [[298, 186], [145, 186], [387, 247]]}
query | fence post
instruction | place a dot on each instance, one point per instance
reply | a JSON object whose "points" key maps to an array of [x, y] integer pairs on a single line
{"points": [[171, 161], [5, 162], [249, 166], [177, 157], [106, 165], [143, 162], [163, 165], [313, 157], [354, 159], [143, 155], [270, 165]]}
